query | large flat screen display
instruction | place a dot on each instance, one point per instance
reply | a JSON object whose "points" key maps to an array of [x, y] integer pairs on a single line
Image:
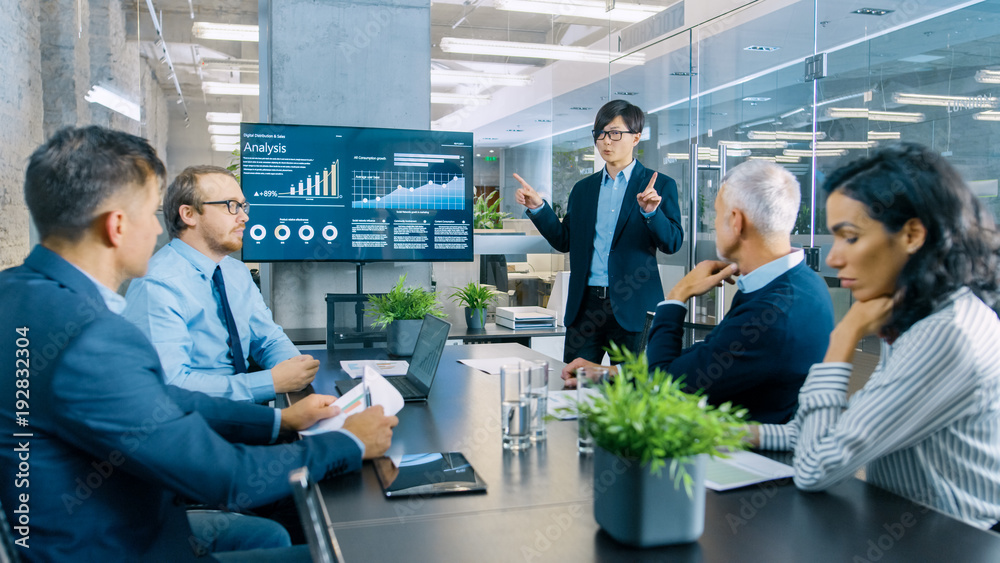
{"points": [[356, 194]]}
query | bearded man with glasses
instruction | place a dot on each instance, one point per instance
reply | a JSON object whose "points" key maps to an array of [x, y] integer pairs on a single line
{"points": [[616, 219], [200, 307]]}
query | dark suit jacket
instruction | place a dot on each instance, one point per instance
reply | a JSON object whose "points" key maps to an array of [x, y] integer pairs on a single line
{"points": [[633, 279], [112, 447]]}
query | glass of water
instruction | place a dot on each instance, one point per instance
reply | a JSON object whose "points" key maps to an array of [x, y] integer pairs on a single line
{"points": [[538, 395], [515, 412], [587, 380]]}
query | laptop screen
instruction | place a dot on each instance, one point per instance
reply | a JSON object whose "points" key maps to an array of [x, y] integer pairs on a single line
{"points": [[427, 351]]}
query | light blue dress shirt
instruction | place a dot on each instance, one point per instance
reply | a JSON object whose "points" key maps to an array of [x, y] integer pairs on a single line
{"points": [[609, 208], [178, 309], [116, 304], [761, 276]]}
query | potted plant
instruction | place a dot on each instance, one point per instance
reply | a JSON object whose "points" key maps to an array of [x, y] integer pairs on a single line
{"points": [[401, 312], [476, 297], [486, 215], [642, 424]]}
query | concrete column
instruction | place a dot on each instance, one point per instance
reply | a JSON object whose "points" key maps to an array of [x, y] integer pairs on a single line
{"points": [[351, 63], [21, 114], [65, 29]]}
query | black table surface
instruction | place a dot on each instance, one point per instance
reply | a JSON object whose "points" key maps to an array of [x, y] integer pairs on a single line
{"points": [[458, 331], [539, 506]]}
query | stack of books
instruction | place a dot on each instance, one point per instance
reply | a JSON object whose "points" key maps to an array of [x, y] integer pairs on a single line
{"points": [[526, 317]]}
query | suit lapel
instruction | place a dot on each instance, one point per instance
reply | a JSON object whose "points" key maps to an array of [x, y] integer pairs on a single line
{"points": [[592, 190], [635, 185]]}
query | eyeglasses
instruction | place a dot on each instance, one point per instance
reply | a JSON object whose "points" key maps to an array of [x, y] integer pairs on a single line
{"points": [[613, 135], [232, 205]]}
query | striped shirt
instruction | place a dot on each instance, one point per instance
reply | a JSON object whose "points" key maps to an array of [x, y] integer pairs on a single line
{"points": [[926, 425]]}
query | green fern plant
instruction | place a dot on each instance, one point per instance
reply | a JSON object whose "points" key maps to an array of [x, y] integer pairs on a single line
{"points": [[647, 417], [403, 303], [474, 295], [486, 215]]}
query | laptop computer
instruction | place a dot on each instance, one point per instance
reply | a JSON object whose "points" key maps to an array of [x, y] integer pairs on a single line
{"points": [[416, 384]]}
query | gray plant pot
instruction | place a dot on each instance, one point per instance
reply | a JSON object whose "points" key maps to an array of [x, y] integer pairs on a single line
{"points": [[643, 510], [401, 337], [475, 318]]}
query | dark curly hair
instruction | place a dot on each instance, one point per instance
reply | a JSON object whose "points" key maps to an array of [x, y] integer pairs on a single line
{"points": [[905, 181]]}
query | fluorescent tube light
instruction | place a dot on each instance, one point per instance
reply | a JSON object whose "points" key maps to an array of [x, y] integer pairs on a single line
{"points": [[221, 117], [737, 145], [230, 89], [239, 65], [225, 139], [589, 157], [956, 102], [988, 76], [534, 51], [767, 158], [864, 113], [114, 102], [225, 31], [808, 154], [224, 130], [622, 12], [455, 77], [464, 99], [823, 145], [987, 116], [784, 135], [787, 159], [883, 135]]}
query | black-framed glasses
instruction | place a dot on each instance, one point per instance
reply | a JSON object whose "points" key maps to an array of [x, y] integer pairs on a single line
{"points": [[613, 135], [232, 205]]}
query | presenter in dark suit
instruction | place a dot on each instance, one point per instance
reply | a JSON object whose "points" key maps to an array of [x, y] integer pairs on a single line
{"points": [[615, 221], [99, 452]]}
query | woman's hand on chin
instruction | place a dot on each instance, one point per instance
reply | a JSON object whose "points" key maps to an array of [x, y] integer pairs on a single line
{"points": [[864, 318]]}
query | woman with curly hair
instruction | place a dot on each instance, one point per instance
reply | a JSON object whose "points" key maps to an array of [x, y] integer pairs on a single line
{"points": [[920, 255]]}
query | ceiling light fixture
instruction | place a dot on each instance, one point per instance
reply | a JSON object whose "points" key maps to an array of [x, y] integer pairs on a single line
{"points": [[872, 11], [988, 76], [987, 116], [462, 99], [238, 65], [864, 113], [535, 51], [220, 117], [883, 135], [225, 31], [590, 9], [951, 102], [867, 95], [809, 154], [230, 89], [114, 102], [756, 99], [787, 159], [828, 145], [224, 129], [760, 48], [785, 135], [442, 77], [737, 145]]}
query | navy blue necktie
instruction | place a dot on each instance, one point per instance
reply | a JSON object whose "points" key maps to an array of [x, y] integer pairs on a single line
{"points": [[239, 361]]}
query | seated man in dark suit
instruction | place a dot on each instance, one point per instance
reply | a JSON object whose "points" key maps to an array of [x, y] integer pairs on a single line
{"points": [[107, 449], [781, 317]]}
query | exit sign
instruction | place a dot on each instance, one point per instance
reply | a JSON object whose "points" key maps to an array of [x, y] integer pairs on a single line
{"points": [[489, 158]]}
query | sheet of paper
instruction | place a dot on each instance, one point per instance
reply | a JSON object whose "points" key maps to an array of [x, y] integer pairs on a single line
{"points": [[742, 469], [355, 368], [381, 391], [566, 399], [490, 365]]}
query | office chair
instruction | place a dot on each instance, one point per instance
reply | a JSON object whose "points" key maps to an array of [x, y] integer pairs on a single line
{"points": [[9, 553], [493, 271], [645, 332], [323, 545]]}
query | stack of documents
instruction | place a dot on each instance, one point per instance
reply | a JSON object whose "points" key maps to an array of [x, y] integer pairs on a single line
{"points": [[526, 317], [743, 468]]}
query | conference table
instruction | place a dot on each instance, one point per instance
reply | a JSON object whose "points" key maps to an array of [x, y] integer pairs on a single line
{"points": [[539, 505]]}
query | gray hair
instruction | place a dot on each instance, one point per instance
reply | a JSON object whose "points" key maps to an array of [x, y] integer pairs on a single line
{"points": [[767, 193]]}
